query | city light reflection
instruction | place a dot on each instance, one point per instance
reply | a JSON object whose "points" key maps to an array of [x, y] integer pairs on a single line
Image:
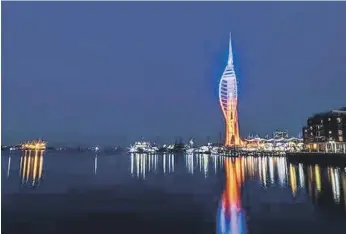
{"points": [[335, 182], [263, 169], [301, 176], [95, 164], [320, 181], [31, 167], [9, 166], [282, 171], [318, 178], [269, 171], [203, 163], [142, 164], [343, 181], [293, 180]]}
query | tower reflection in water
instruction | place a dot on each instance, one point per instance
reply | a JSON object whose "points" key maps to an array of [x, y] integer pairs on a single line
{"points": [[231, 215], [31, 166]]}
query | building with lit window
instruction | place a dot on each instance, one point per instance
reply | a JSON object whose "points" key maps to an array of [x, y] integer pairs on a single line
{"points": [[280, 134], [280, 142], [326, 132]]}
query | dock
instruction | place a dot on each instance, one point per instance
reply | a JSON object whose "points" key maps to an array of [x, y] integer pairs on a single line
{"points": [[244, 153], [317, 158]]}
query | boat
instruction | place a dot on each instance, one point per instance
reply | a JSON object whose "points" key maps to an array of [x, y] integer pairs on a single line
{"points": [[143, 147], [189, 148]]}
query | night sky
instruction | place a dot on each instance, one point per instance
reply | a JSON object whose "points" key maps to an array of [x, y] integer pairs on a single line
{"points": [[112, 72]]}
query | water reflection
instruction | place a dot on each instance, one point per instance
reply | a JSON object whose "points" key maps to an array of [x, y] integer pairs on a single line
{"points": [[343, 179], [333, 176], [301, 176], [293, 180], [275, 172], [9, 166], [231, 215], [270, 171], [260, 188], [203, 163], [324, 184], [31, 166], [142, 164], [95, 164]]}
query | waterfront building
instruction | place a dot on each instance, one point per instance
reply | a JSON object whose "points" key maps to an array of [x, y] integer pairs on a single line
{"points": [[228, 98], [280, 142], [326, 132], [280, 134]]}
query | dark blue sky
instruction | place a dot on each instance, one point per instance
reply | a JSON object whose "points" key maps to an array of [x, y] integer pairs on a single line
{"points": [[112, 72]]}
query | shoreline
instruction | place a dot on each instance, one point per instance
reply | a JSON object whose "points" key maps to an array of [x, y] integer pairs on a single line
{"points": [[317, 157]]}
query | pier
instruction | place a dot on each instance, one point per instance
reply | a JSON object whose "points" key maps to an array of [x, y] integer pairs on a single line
{"points": [[317, 157]]}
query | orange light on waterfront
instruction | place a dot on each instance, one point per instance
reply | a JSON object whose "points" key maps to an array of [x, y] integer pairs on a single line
{"points": [[34, 145], [231, 217], [233, 177]]}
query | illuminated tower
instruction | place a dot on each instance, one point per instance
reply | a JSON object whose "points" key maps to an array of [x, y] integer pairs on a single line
{"points": [[228, 98]]}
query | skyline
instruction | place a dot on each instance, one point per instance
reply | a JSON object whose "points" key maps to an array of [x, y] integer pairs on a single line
{"points": [[113, 78]]}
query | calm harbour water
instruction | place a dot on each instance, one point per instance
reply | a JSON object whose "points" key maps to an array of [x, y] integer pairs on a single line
{"points": [[58, 192]]}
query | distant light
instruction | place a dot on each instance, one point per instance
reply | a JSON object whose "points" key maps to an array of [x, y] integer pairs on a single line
{"points": [[34, 145], [97, 148]]}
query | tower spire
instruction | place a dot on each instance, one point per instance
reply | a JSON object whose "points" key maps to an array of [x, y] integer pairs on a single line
{"points": [[230, 53]]}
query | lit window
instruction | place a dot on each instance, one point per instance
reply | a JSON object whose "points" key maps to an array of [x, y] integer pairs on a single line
{"points": [[330, 132], [338, 120], [310, 127], [321, 121], [341, 139], [340, 132], [305, 130], [328, 119]]}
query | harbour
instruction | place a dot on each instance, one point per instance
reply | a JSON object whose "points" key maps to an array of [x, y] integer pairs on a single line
{"points": [[173, 118], [318, 157], [172, 192]]}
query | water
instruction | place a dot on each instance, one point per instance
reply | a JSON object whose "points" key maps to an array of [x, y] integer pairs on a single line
{"points": [[60, 193]]}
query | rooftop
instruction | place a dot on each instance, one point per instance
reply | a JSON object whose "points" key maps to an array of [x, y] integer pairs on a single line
{"points": [[335, 111]]}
